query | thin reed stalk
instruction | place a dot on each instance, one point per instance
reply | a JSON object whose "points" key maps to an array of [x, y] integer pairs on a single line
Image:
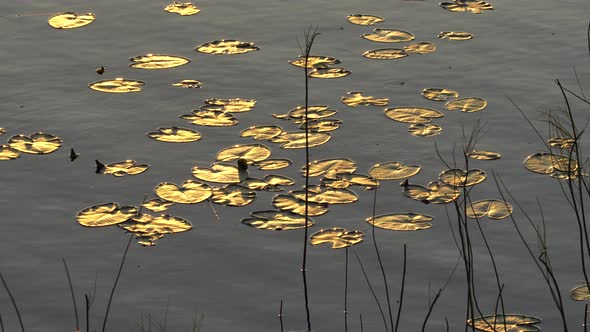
{"points": [[20, 320], [281, 316], [371, 289], [346, 290], [72, 292], [401, 295], [430, 309], [86, 300]]}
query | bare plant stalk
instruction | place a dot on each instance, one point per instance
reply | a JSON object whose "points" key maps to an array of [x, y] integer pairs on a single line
{"points": [[346, 290], [401, 295], [281, 315], [586, 317], [431, 308], [20, 320], [87, 312], [371, 289], [1, 324], [73, 294], [361, 320]]}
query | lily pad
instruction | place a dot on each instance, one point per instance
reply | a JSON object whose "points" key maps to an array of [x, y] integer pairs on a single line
{"points": [[474, 6], [393, 170], [250, 152], [580, 293], [314, 61], [296, 140], [324, 195], [231, 105], [210, 118], [343, 181], [126, 167], [218, 173], [157, 61], [424, 129], [356, 98], [386, 54], [277, 220], [402, 221], [388, 36], [548, 163], [37, 143], [491, 208], [439, 94], [8, 153], [505, 323], [468, 105], [157, 205], [261, 132], [297, 206], [462, 178], [338, 237], [70, 20], [313, 112], [189, 84], [361, 19], [455, 35], [175, 135], [190, 192], [321, 125], [328, 72], [420, 48], [182, 8], [278, 180], [436, 192], [483, 155], [118, 85], [412, 115], [561, 142], [272, 164], [148, 228], [233, 195], [227, 47], [105, 214], [330, 168]]}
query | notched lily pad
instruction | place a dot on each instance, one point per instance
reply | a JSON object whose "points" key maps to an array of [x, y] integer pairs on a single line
{"points": [[157, 61], [296, 140], [126, 167], [272, 164], [468, 105], [70, 20], [356, 98], [329, 168], [182, 8], [412, 115], [190, 192], [278, 180], [484, 155], [506, 323], [548, 163], [491, 208], [230, 105], [462, 178], [175, 135], [210, 118], [402, 221], [313, 112], [277, 220], [37, 143], [361, 19], [157, 204], [321, 125], [386, 54], [338, 237], [118, 85], [148, 228], [227, 47], [328, 72], [233, 195], [439, 94], [474, 6], [8, 153], [261, 132], [314, 61], [425, 129], [343, 181], [218, 173], [580, 293], [455, 35], [420, 48], [393, 170], [105, 214], [388, 36], [250, 152], [436, 192], [324, 195], [297, 206], [189, 84]]}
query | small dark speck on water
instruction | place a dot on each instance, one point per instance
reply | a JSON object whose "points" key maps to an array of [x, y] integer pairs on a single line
{"points": [[73, 154], [100, 70], [99, 167]]}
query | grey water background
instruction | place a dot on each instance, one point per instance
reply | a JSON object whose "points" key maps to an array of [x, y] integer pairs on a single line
{"points": [[235, 275]]}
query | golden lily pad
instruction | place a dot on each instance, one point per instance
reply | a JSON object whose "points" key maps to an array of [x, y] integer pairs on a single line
{"points": [[321, 125], [227, 47], [261, 132], [436, 192], [148, 240], [157, 205], [356, 98], [70, 20], [364, 19], [505, 323], [190, 192], [218, 173], [278, 180], [126, 167], [150, 228], [468, 105], [37, 143], [233, 195], [402, 221], [393, 170], [462, 178], [296, 140], [2, 131], [157, 61], [439, 94], [231, 105], [343, 181], [561, 142], [386, 54], [313, 112], [328, 72], [324, 195], [329, 168], [277, 220], [491, 208], [548, 163], [272, 164], [388, 36], [250, 152], [412, 115], [580, 293], [483, 155], [297, 206], [8, 153], [118, 85], [189, 84], [455, 35], [338, 237], [175, 135], [105, 214], [314, 61], [210, 118], [420, 48], [474, 6], [424, 129], [254, 184], [182, 8]]}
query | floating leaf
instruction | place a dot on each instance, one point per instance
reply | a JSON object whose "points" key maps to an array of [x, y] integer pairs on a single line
{"points": [[2, 131], [313, 112], [491, 208], [505, 323], [483, 155], [462, 178], [437, 192], [425, 130], [272, 164], [278, 180], [338, 237], [231, 105], [455, 35], [175, 135], [343, 181], [469, 105], [328, 72], [314, 61], [548, 163], [439, 94], [329, 168], [227, 47], [580, 293], [412, 115], [385, 54], [364, 19], [8, 153], [388, 36], [105, 214], [182, 8], [190, 192], [321, 125], [561, 142], [474, 6], [261, 132], [356, 98], [254, 184], [277, 220], [218, 173], [420, 48], [393, 170], [233, 195], [157, 61], [70, 20], [37, 143], [324, 195], [250, 152], [210, 118], [297, 206], [402, 221], [122, 168], [118, 85], [189, 84], [157, 205], [147, 225], [296, 140]]}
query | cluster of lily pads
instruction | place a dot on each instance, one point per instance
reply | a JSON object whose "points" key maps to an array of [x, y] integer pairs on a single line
{"points": [[321, 66], [37, 143]]}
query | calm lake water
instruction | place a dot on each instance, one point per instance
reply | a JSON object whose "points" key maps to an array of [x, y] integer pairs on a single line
{"points": [[236, 275]]}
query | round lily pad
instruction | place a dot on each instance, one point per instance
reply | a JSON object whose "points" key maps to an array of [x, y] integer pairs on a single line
{"points": [[580, 293], [483, 155], [261, 132], [210, 118], [118, 85], [296, 140], [328, 72], [386, 54], [549, 163], [361, 19], [297, 206], [250, 152], [126, 167], [157, 61], [439, 94], [70, 20], [313, 112], [424, 129], [227, 47], [491, 208], [420, 48], [157, 205], [412, 115], [8, 153], [314, 61], [474, 6], [182, 8], [278, 180], [272, 164], [388, 36], [356, 98], [402, 221], [324, 195], [190, 192], [393, 170], [462, 178], [436, 192], [218, 173], [231, 105], [277, 220], [338, 237], [37, 143], [343, 181], [189, 84], [455, 35], [329, 168], [105, 214], [321, 125], [148, 228], [175, 135], [561, 142], [505, 323], [233, 195], [468, 105]]}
